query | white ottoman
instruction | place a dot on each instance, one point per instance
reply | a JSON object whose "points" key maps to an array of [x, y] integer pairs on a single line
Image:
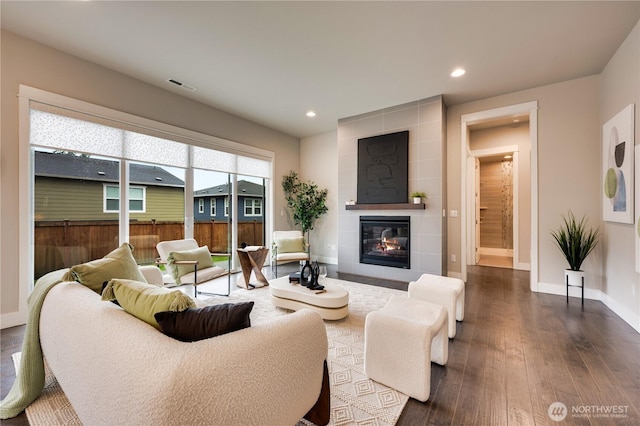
{"points": [[401, 340], [444, 291]]}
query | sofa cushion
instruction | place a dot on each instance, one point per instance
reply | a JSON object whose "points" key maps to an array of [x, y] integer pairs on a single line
{"points": [[119, 263], [290, 245], [192, 325], [201, 255], [144, 300]]}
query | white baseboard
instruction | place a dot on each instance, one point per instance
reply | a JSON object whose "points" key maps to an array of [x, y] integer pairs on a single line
{"points": [[13, 319], [623, 312], [326, 259], [490, 251], [455, 275]]}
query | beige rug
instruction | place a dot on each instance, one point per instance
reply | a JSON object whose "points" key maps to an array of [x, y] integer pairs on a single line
{"points": [[52, 408], [355, 400]]}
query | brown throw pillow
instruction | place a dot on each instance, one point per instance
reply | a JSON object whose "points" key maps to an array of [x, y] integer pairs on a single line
{"points": [[196, 324]]}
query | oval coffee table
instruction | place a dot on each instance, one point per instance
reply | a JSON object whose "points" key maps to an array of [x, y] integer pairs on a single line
{"points": [[333, 304]]}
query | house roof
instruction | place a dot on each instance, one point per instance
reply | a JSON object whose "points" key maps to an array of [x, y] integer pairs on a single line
{"points": [[244, 188], [270, 62], [71, 166]]}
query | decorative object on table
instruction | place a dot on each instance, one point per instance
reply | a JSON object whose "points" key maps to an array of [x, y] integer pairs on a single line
{"points": [[306, 201], [309, 276], [618, 141], [294, 278], [418, 196], [322, 272], [576, 243]]}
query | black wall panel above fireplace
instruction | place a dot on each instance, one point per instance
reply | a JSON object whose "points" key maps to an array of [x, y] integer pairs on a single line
{"points": [[383, 164]]}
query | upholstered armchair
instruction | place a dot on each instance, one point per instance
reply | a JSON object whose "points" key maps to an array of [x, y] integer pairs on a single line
{"points": [[288, 246], [187, 263]]}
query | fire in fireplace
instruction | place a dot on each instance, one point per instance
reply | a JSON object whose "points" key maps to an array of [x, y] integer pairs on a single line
{"points": [[384, 240]]}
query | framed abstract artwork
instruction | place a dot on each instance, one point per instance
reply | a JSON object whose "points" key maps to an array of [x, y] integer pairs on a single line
{"points": [[618, 157]]}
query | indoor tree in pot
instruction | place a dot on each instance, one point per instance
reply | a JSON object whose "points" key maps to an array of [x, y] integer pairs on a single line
{"points": [[576, 242], [306, 201]]}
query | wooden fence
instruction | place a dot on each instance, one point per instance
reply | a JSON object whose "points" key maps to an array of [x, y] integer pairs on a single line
{"points": [[60, 244]]}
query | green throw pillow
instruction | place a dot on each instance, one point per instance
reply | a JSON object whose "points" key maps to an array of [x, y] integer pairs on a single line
{"points": [[201, 254], [144, 300], [290, 245], [117, 264]]}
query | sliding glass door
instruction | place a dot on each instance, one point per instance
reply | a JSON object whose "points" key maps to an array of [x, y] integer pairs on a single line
{"points": [[95, 186]]}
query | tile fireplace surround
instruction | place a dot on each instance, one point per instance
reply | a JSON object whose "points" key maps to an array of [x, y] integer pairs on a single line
{"points": [[425, 120]]}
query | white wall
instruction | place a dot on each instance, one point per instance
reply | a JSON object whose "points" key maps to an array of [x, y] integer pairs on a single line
{"points": [[39, 66], [619, 87], [318, 163], [424, 120]]}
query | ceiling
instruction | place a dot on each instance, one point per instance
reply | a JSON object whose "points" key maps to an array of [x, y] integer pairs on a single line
{"points": [[271, 62]]}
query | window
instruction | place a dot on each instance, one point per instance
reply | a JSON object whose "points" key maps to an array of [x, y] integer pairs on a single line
{"points": [[137, 197], [157, 164], [252, 207], [200, 205]]}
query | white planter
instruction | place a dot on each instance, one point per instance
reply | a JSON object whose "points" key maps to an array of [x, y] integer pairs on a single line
{"points": [[573, 278], [417, 200]]}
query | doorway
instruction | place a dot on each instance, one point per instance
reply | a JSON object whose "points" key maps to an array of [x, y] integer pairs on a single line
{"points": [[524, 183], [495, 206]]}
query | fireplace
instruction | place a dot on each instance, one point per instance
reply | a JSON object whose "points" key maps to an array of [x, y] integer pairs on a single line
{"points": [[384, 240]]}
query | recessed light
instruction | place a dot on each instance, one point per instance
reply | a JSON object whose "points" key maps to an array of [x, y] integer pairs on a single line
{"points": [[311, 114], [458, 72], [507, 156]]}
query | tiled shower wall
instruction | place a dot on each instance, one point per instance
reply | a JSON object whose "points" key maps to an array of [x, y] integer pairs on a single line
{"points": [[425, 120]]}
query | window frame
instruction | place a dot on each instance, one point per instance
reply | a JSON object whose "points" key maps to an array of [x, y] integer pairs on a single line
{"points": [[252, 206], [105, 198], [212, 207]]}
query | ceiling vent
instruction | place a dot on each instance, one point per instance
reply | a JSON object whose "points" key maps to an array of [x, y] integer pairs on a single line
{"points": [[182, 85]]}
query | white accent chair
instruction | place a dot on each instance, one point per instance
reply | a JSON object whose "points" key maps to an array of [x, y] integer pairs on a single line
{"points": [[188, 263], [288, 246], [400, 342], [444, 291]]}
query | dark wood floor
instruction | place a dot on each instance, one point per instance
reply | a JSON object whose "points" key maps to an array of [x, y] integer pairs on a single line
{"points": [[515, 353]]}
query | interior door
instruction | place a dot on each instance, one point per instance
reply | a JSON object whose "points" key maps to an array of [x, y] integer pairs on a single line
{"points": [[477, 209]]}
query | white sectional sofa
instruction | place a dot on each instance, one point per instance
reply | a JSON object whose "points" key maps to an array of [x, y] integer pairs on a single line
{"points": [[117, 370]]}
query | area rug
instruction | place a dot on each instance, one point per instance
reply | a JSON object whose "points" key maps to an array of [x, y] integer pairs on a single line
{"points": [[51, 408], [355, 399]]}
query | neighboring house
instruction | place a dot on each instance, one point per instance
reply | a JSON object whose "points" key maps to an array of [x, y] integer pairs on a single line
{"points": [[213, 203], [80, 188]]}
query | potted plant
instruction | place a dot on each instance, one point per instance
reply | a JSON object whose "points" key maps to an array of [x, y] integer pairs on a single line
{"points": [[306, 201], [576, 242], [418, 196]]}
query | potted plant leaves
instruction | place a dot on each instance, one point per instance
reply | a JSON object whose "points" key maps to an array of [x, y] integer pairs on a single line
{"points": [[576, 241], [418, 196]]}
